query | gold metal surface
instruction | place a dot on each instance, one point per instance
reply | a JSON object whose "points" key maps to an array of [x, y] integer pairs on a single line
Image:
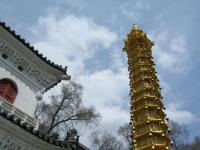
{"points": [[148, 120]]}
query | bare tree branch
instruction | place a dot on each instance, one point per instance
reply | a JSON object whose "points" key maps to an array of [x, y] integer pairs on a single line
{"points": [[105, 141], [65, 108], [125, 132], [54, 116], [179, 134]]}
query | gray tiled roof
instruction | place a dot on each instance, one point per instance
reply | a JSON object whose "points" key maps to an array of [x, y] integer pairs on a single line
{"points": [[36, 52]]}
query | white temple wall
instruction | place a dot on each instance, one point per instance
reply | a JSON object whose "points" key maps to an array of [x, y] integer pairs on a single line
{"points": [[26, 97]]}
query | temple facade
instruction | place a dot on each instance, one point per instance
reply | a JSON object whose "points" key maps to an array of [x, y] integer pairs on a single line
{"points": [[148, 120], [25, 75]]}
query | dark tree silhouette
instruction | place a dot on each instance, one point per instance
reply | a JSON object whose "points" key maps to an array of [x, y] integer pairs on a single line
{"points": [[179, 134], [105, 141], [64, 110], [125, 132]]}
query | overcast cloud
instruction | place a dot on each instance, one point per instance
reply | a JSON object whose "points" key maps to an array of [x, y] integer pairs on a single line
{"points": [[88, 38]]}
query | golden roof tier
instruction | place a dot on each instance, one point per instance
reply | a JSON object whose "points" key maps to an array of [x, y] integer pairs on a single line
{"points": [[148, 120]]}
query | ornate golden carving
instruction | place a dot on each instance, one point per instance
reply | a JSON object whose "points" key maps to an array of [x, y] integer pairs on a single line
{"points": [[148, 119]]}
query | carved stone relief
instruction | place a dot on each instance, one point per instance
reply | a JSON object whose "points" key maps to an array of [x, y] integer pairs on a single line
{"points": [[23, 65]]}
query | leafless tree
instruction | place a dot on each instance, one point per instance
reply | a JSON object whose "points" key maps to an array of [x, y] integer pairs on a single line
{"points": [[195, 145], [64, 110], [105, 141], [179, 134], [125, 132]]}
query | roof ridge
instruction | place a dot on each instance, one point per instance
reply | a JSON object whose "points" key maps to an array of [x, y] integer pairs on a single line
{"points": [[45, 137], [36, 52]]}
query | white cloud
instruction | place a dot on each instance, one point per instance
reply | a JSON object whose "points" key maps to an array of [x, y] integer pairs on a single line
{"points": [[108, 92], [113, 117], [71, 40], [105, 87], [181, 116], [171, 52]]}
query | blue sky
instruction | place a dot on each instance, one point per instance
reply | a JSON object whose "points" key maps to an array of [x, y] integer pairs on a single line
{"points": [[88, 35]]}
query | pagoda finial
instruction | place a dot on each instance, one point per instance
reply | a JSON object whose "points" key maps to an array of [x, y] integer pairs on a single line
{"points": [[135, 27]]}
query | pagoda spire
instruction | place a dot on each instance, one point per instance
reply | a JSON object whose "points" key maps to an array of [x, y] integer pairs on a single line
{"points": [[148, 120]]}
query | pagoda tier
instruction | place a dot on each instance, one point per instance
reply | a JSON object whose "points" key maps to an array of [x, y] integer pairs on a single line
{"points": [[148, 120]]}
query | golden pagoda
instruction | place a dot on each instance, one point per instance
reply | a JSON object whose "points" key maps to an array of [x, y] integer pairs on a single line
{"points": [[148, 120]]}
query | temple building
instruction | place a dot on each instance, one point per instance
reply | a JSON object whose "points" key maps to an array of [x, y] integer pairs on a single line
{"points": [[148, 120], [25, 75]]}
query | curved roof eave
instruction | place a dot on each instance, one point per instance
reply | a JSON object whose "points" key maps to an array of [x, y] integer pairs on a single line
{"points": [[36, 52]]}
